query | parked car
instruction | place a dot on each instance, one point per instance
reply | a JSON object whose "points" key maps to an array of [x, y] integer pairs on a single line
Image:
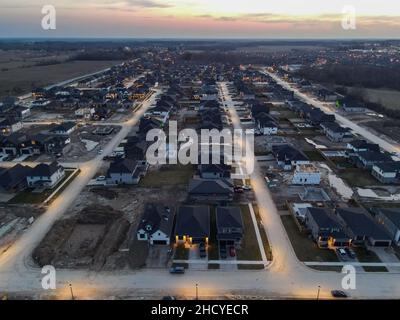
{"points": [[246, 187], [222, 252], [350, 253], [238, 189], [177, 270], [100, 178], [232, 252], [341, 253], [339, 294], [169, 298], [202, 249]]}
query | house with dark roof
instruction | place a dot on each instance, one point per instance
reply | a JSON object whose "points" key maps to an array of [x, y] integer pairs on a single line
{"points": [[126, 171], [64, 129], [192, 224], [335, 132], [362, 228], [229, 226], [387, 172], [45, 175], [389, 218], [367, 159], [214, 171], [325, 229], [210, 189], [316, 116], [288, 157], [9, 125], [266, 124], [13, 179], [156, 225], [360, 145]]}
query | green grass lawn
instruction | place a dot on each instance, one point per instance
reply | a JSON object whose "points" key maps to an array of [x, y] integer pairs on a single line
{"points": [[28, 197], [356, 177], [267, 246], [365, 255], [213, 247], [304, 247], [314, 155], [249, 249], [168, 175]]}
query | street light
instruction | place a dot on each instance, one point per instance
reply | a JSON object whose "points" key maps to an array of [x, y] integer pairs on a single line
{"points": [[197, 291], [319, 289], [72, 292]]}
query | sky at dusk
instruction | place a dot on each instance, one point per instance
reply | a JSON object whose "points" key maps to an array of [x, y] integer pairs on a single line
{"points": [[267, 19]]}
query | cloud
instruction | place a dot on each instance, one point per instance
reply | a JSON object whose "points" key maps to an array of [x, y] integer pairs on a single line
{"points": [[148, 4]]}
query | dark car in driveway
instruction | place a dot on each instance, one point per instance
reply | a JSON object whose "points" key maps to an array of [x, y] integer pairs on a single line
{"points": [[222, 252], [202, 250]]}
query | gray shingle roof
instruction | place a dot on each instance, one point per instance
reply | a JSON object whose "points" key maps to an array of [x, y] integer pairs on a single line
{"points": [[193, 221]]}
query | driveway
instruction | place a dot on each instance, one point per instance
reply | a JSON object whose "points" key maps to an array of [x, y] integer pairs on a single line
{"points": [[387, 255]]}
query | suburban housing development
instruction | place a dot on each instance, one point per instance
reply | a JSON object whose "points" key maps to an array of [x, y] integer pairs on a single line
{"points": [[78, 191]]}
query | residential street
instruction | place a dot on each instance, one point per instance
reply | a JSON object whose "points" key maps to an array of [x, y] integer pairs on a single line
{"points": [[389, 147]]}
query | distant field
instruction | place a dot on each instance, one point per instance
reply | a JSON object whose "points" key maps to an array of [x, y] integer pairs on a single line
{"points": [[20, 73], [388, 98]]}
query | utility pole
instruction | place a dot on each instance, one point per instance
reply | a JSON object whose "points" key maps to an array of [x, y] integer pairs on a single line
{"points": [[197, 291], [72, 292], [319, 289]]}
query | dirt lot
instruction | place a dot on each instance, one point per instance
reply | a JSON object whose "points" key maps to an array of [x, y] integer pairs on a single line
{"points": [[13, 221], [84, 240], [100, 223]]}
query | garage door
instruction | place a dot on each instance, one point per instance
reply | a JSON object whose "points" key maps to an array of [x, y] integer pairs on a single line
{"points": [[382, 243], [160, 242]]}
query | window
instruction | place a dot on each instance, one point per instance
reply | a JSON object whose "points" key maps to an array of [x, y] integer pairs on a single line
{"points": [[142, 236]]}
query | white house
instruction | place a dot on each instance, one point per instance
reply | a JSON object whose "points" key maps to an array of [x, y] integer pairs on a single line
{"points": [[306, 174], [85, 113], [45, 175]]}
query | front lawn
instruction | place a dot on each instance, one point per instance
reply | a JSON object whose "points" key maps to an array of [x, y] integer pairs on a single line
{"points": [[305, 248], [249, 249], [365, 255], [213, 247], [170, 175], [314, 155], [356, 177]]}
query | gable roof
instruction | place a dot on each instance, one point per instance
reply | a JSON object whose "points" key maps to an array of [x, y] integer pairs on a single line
{"points": [[65, 126], [193, 221], [122, 166], [360, 224], [12, 177], [44, 170], [210, 186], [229, 217], [159, 218], [393, 214], [286, 152]]}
